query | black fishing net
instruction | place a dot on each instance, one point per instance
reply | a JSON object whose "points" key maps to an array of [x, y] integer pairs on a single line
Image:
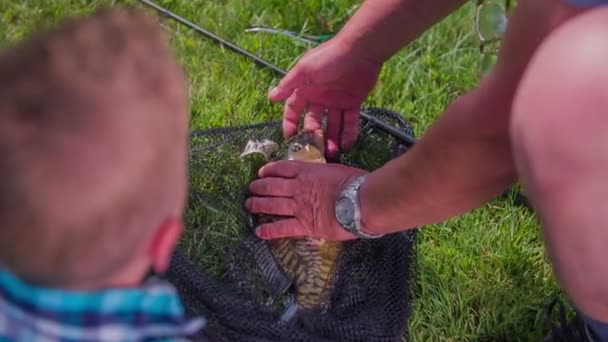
{"points": [[215, 271]]}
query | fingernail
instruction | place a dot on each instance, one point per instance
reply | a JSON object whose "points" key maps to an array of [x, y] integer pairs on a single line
{"points": [[273, 92], [247, 203], [258, 232], [262, 169], [332, 149]]}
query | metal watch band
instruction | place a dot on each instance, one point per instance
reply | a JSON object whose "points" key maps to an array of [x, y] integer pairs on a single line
{"points": [[351, 192]]}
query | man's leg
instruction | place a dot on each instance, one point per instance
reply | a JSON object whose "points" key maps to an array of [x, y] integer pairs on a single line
{"points": [[559, 131]]}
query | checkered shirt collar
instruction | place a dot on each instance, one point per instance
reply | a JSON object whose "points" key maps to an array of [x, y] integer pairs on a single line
{"points": [[151, 311]]}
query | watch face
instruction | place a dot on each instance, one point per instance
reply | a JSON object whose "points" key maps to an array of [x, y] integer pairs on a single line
{"points": [[345, 211]]}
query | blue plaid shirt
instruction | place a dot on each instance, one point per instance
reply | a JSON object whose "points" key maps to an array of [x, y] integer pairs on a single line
{"points": [[152, 312]]}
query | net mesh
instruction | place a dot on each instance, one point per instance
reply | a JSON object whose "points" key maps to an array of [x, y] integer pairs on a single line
{"points": [[214, 267]]}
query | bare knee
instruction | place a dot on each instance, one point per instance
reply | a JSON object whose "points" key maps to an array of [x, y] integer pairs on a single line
{"points": [[559, 128], [561, 105]]}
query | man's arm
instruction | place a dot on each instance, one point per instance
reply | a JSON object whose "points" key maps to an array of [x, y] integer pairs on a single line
{"points": [[462, 161], [465, 158], [404, 21], [380, 28]]}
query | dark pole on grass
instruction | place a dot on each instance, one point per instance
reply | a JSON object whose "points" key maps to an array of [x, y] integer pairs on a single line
{"points": [[261, 62], [214, 37]]}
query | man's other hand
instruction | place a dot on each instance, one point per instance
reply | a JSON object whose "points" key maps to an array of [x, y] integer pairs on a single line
{"points": [[329, 80]]}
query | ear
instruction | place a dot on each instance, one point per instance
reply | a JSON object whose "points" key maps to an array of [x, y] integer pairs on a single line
{"points": [[163, 243]]}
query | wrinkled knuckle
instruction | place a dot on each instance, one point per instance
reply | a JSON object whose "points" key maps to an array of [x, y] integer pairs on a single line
{"points": [[292, 100], [264, 187], [293, 206], [280, 230]]}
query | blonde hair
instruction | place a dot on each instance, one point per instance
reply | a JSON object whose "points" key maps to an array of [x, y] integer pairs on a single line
{"points": [[93, 139]]}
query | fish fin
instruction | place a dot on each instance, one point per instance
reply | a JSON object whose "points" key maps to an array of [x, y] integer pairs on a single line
{"points": [[319, 142], [290, 313], [286, 254], [276, 280], [265, 147]]}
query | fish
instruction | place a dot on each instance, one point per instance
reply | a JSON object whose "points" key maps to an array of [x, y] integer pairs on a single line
{"points": [[309, 264]]}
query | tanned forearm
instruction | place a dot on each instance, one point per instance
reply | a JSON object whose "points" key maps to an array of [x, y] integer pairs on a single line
{"points": [[465, 158], [380, 28], [463, 161]]}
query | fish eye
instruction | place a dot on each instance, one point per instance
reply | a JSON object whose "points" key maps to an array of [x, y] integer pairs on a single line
{"points": [[296, 147]]}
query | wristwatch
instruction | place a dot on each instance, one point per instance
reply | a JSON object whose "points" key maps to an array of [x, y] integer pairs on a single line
{"points": [[348, 212]]}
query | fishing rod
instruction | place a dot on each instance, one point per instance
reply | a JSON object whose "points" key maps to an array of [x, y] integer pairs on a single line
{"points": [[263, 63]]}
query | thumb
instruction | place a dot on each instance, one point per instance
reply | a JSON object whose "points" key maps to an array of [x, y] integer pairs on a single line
{"points": [[294, 79], [280, 229]]}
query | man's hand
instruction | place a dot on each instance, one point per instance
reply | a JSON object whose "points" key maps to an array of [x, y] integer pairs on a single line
{"points": [[328, 80], [337, 76], [306, 194]]}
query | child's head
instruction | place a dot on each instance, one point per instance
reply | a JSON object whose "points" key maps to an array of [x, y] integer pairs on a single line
{"points": [[93, 148]]}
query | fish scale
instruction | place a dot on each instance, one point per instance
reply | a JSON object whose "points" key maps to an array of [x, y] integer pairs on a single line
{"points": [[309, 266]]}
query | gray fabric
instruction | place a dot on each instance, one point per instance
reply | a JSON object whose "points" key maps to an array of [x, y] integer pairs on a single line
{"points": [[587, 3]]}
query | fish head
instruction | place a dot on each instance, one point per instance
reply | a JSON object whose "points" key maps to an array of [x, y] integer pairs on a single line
{"points": [[307, 146]]}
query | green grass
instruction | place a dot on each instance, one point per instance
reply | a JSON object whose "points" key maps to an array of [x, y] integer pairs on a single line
{"points": [[482, 276]]}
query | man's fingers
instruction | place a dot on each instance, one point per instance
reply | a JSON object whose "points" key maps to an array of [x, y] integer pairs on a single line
{"points": [[314, 117], [282, 168], [273, 187], [350, 129], [281, 229], [282, 206], [294, 78], [294, 106], [334, 121]]}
